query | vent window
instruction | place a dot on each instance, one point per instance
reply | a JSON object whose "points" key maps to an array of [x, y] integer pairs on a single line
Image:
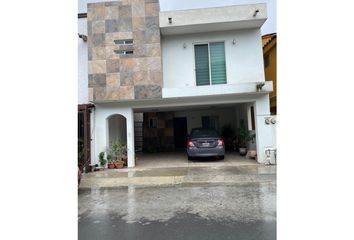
{"points": [[124, 52], [124, 41]]}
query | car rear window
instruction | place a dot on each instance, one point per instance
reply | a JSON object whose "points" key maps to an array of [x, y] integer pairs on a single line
{"points": [[203, 133]]}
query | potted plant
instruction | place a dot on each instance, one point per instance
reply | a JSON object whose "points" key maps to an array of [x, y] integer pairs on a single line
{"points": [[244, 137], [117, 150], [110, 161], [102, 160], [124, 155], [109, 158], [111, 164]]}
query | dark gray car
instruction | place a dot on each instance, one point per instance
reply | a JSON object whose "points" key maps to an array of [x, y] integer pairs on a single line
{"points": [[204, 142]]}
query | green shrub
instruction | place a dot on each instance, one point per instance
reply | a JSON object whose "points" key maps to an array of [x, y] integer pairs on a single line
{"points": [[101, 159]]}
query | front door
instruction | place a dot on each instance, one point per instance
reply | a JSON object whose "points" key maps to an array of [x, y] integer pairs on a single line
{"points": [[180, 132]]}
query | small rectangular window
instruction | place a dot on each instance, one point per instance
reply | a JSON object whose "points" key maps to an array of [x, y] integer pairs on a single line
{"points": [[124, 52], [123, 41]]}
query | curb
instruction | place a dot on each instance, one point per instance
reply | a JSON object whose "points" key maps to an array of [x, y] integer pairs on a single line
{"points": [[175, 180]]}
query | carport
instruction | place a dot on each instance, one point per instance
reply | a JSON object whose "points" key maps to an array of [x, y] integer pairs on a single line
{"points": [[160, 126], [161, 133]]}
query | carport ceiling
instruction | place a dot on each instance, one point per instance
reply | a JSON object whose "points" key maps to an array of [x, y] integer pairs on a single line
{"points": [[183, 108]]}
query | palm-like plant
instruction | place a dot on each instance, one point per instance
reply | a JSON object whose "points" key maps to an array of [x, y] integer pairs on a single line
{"points": [[117, 150], [244, 135]]}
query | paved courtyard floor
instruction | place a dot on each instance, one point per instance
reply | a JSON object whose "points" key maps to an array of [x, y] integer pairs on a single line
{"points": [[179, 159]]}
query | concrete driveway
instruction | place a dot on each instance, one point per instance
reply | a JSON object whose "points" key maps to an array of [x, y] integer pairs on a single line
{"points": [[179, 175], [179, 159]]}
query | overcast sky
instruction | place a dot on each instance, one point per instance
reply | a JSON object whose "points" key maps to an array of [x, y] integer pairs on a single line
{"points": [[168, 5]]}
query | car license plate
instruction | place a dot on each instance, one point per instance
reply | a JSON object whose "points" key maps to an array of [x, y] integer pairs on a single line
{"points": [[205, 144]]}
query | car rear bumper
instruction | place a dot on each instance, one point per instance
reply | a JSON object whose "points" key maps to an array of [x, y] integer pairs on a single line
{"points": [[205, 152]]}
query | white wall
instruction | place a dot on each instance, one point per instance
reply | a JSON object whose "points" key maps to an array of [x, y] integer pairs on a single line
{"points": [[264, 132], [101, 140], [82, 63], [244, 60]]}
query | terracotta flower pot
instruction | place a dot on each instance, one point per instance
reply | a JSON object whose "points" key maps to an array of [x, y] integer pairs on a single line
{"points": [[111, 165], [119, 164], [125, 160], [243, 151]]}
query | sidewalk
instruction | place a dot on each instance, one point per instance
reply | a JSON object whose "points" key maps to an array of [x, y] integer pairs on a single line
{"points": [[178, 175]]}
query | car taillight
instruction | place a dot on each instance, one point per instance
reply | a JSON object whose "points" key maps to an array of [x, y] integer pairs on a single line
{"points": [[190, 144], [221, 142]]}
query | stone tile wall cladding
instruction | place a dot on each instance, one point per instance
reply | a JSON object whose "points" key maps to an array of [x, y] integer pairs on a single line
{"points": [[114, 77], [161, 138]]}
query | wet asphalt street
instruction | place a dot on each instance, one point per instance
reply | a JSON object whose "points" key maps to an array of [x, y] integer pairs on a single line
{"points": [[239, 211]]}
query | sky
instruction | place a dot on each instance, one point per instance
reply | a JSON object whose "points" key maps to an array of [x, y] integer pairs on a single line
{"points": [[168, 5]]}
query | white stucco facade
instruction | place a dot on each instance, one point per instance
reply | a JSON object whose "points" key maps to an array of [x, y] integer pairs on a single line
{"points": [[244, 59], [213, 19]]}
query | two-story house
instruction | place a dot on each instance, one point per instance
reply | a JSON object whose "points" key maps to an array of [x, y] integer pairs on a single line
{"points": [[178, 69]]}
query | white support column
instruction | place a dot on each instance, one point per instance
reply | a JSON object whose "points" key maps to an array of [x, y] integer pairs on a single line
{"points": [[264, 132], [100, 134], [130, 138], [93, 136]]}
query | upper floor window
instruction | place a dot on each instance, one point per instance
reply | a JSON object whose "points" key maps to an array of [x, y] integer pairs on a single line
{"points": [[210, 64]]}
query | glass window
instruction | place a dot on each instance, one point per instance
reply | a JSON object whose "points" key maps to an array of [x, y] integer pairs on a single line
{"points": [[124, 52], [123, 41], [217, 63], [152, 122], [210, 122], [210, 63], [202, 64]]}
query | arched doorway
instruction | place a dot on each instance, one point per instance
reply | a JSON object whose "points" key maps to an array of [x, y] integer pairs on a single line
{"points": [[116, 130]]}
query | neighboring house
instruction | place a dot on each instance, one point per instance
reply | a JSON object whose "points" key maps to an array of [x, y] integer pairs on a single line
{"points": [[175, 71], [270, 67]]}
